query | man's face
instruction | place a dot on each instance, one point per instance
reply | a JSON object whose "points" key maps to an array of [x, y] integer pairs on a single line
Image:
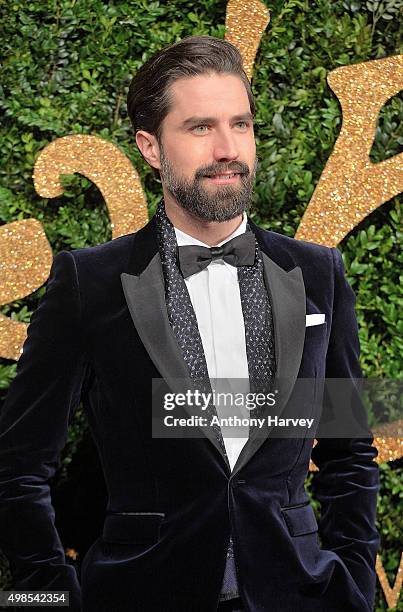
{"points": [[207, 148]]}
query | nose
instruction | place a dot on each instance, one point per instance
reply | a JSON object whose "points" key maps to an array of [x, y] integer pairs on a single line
{"points": [[225, 147]]}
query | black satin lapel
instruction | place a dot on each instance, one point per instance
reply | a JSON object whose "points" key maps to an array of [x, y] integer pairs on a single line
{"points": [[145, 297], [287, 296]]}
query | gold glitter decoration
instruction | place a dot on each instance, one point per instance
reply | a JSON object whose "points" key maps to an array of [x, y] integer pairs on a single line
{"points": [[351, 186], [105, 165], [245, 23], [391, 595], [72, 553], [25, 262], [388, 439]]}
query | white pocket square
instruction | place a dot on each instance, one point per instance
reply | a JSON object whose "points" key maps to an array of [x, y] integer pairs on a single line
{"points": [[315, 319]]}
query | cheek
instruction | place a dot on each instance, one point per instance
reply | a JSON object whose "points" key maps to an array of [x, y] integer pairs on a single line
{"points": [[186, 159], [250, 147], [246, 149]]}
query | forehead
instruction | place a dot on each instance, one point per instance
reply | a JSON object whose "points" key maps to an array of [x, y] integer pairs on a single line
{"points": [[207, 94]]}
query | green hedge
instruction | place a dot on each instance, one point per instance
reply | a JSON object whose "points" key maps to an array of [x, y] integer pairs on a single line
{"points": [[67, 66]]}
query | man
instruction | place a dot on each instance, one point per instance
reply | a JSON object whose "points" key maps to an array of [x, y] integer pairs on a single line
{"points": [[207, 522]]}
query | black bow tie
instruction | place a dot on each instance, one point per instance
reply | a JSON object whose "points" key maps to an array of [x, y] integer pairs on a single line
{"points": [[239, 251]]}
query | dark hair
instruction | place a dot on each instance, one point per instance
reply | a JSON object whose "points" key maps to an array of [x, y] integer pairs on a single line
{"points": [[148, 100]]}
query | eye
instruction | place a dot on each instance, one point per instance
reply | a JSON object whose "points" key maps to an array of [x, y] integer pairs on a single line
{"points": [[200, 129], [242, 124]]}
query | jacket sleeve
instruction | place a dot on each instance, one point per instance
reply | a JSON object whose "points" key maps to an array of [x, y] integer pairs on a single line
{"points": [[347, 482], [33, 431]]}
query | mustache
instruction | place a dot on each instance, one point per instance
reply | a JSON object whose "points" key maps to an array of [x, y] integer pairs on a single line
{"points": [[235, 166]]}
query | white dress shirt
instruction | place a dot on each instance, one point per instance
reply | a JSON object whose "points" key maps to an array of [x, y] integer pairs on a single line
{"points": [[214, 293]]}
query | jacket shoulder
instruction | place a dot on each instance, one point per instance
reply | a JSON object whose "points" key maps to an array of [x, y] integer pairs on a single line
{"points": [[113, 253], [289, 252]]}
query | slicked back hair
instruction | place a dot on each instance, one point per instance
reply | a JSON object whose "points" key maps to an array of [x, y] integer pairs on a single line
{"points": [[148, 99]]}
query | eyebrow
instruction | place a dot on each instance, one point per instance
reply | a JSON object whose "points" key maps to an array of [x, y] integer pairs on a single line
{"points": [[201, 120]]}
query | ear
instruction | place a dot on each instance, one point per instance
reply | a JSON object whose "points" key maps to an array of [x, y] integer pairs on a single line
{"points": [[148, 146]]}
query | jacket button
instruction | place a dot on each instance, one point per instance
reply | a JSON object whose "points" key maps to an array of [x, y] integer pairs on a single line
{"points": [[236, 483]]}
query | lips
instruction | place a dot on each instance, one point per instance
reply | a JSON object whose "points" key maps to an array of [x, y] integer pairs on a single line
{"points": [[223, 175], [224, 179]]}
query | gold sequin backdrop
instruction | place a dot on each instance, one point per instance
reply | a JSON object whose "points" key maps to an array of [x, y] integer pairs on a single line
{"points": [[349, 189]]}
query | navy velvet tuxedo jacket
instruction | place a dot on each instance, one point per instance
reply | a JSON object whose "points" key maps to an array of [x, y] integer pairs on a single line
{"points": [[101, 334]]}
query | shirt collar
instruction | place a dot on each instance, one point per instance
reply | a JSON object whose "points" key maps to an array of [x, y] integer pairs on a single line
{"points": [[184, 239]]}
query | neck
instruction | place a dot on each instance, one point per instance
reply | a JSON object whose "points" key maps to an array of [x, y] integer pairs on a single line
{"points": [[209, 232]]}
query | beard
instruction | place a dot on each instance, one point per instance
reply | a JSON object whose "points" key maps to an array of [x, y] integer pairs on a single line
{"points": [[224, 203]]}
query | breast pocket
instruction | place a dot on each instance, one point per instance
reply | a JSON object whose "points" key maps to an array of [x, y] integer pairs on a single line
{"points": [[315, 348]]}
